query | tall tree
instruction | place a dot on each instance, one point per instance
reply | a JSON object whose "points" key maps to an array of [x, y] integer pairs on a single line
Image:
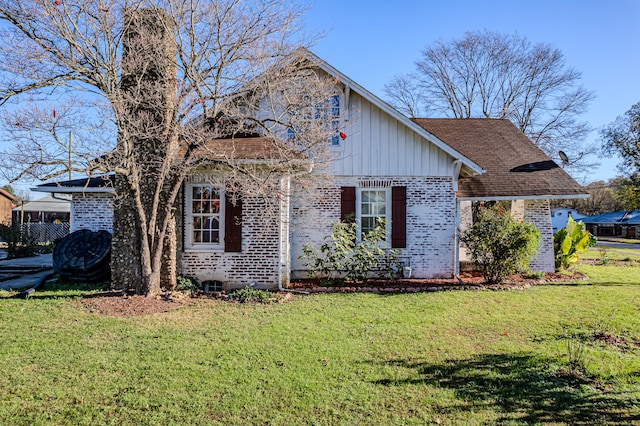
{"points": [[162, 79], [622, 137], [493, 75], [603, 198]]}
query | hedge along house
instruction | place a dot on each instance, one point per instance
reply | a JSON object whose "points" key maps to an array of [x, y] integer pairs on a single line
{"points": [[419, 175]]}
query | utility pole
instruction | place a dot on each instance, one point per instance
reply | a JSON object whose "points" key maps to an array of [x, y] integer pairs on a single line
{"points": [[70, 155]]}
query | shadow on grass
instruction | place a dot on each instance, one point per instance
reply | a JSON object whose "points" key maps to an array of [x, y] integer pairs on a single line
{"points": [[522, 387]]}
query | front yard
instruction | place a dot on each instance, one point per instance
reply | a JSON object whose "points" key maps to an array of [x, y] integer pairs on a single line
{"points": [[551, 354]]}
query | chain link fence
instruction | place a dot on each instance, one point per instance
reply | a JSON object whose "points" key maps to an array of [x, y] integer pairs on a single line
{"points": [[43, 233]]}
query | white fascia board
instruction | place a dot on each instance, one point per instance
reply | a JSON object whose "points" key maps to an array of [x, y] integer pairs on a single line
{"points": [[524, 197], [394, 113]]}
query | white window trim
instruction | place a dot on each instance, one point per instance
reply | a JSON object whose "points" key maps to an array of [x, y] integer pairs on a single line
{"points": [[188, 218], [387, 242]]}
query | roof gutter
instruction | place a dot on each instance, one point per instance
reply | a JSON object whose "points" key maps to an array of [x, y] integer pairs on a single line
{"points": [[524, 197], [71, 189]]}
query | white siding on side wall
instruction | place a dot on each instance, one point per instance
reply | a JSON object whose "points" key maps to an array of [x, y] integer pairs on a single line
{"points": [[379, 145]]}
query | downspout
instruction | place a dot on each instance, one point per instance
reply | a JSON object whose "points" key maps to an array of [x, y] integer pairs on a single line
{"points": [[285, 184], [284, 253], [457, 165], [456, 266]]}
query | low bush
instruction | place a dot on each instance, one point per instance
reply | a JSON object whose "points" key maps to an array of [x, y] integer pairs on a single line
{"points": [[344, 256], [184, 283], [499, 245], [251, 295]]}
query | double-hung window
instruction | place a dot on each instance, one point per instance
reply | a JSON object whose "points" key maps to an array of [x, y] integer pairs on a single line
{"points": [[372, 210], [370, 204], [204, 216]]}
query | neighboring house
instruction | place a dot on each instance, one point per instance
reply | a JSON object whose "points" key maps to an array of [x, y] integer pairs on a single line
{"points": [[614, 224], [560, 217], [43, 210], [421, 176], [7, 202]]}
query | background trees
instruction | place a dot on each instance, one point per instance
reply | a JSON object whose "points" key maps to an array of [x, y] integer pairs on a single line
{"points": [[623, 137], [158, 81], [493, 75]]}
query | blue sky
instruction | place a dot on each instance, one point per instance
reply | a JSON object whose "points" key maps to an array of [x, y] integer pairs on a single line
{"points": [[371, 41]]}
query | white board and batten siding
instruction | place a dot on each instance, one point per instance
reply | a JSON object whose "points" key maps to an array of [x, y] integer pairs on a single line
{"points": [[380, 145]]}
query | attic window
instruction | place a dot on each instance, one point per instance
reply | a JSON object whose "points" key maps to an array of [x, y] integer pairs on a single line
{"points": [[328, 111], [334, 114]]}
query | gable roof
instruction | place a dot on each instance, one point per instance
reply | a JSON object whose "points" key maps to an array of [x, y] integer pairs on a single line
{"points": [[516, 168], [471, 167]]}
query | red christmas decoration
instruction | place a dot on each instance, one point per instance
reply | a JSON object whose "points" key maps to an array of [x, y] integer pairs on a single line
{"points": [[343, 135], [57, 2], [54, 113]]}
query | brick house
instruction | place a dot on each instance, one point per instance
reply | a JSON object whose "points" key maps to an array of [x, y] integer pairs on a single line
{"points": [[420, 175], [7, 202]]}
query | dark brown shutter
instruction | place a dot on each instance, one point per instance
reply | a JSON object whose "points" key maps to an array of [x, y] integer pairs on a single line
{"points": [[348, 203], [232, 225], [399, 216]]}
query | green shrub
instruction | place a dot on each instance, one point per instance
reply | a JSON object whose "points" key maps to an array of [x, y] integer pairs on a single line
{"points": [[499, 245], [342, 255], [189, 284], [19, 243], [569, 241], [251, 295]]}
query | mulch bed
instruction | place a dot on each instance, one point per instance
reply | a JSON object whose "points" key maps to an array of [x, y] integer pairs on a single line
{"points": [[122, 304], [469, 281]]}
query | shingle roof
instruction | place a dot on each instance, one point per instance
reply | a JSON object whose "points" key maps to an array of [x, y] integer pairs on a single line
{"points": [[250, 148], [514, 166], [619, 217], [244, 148], [45, 204]]}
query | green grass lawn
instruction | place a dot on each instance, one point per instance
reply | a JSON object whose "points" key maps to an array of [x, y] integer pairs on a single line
{"points": [[462, 357]]}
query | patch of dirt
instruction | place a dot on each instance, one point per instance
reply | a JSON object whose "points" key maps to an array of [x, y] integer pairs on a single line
{"points": [[121, 304], [617, 341]]}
